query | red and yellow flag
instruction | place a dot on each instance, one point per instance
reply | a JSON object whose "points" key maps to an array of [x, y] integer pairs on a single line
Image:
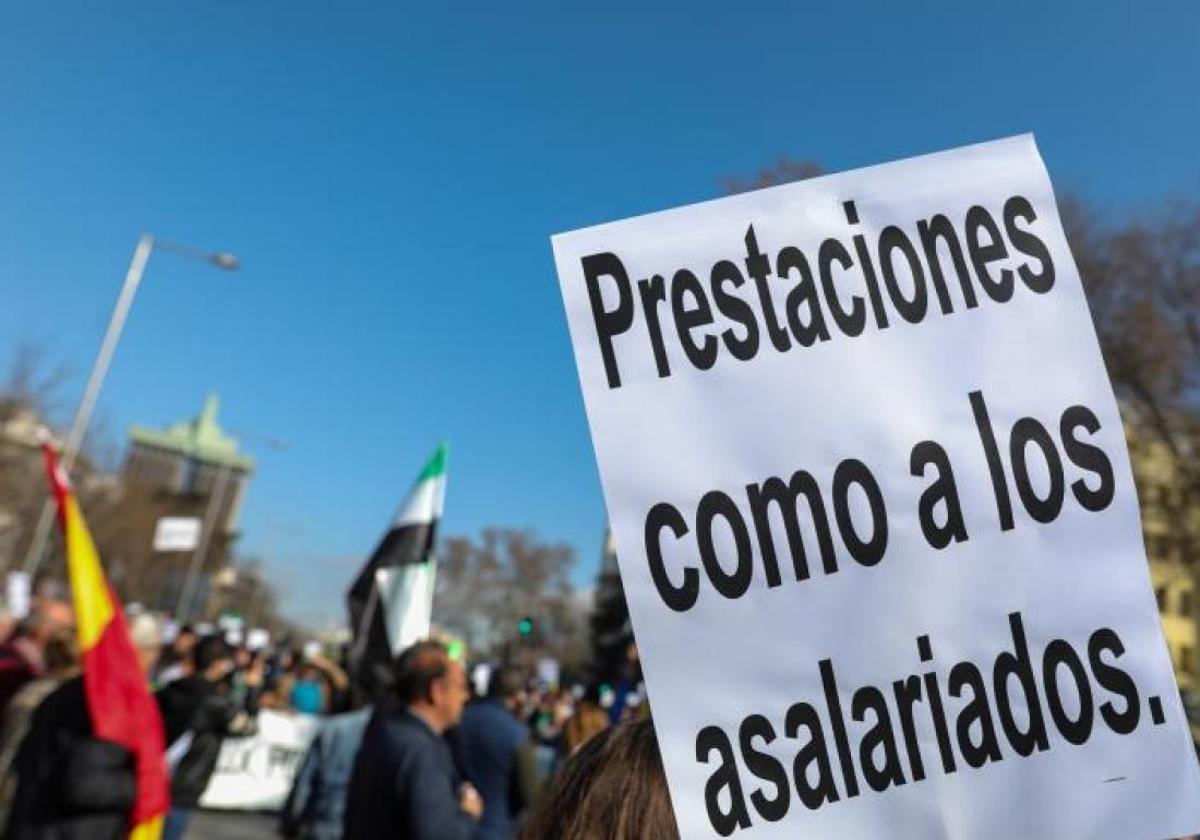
{"points": [[119, 702]]}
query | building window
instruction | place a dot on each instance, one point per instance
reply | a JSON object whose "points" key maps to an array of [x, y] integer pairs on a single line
{"points": [[1160, 595], [1185, 658], [1185, 603], [191, 473]]}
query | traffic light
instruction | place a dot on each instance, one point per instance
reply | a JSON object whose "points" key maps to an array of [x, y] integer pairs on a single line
{"points": [[525, 627]]}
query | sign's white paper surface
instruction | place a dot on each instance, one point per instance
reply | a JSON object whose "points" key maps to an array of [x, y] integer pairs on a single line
{"points": [[255, 773], [938, 621]]}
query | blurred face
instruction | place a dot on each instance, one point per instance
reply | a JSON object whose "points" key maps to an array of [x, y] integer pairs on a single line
{"points": [[184, 643], [57, 618], [147, 658], [7, 624], [450, 694], [219, 669]]}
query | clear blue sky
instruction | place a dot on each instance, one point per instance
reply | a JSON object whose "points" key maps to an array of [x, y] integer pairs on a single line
{"points": [[391, 178]]}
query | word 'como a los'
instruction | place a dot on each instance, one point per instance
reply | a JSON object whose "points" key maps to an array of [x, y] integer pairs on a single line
{"points": [[1031, 447]]}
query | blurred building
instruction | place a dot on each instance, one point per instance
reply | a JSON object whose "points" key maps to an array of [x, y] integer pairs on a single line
{"points": [[23, 489], [20, 427], [20, 470], [189, 469], [1171, 526], [192, 459]]}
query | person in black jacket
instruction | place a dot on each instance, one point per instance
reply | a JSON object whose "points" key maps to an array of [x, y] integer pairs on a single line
{"points": [[71, 785], [197, 717], [497, 755], [404, 785]]}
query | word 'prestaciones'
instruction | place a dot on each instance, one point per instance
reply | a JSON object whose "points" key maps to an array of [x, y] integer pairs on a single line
{"points": [[814, 303]]}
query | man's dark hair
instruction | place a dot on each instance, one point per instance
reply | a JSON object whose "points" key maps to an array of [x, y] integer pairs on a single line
{"points": [[504, 683], [417, 668], [208, 650]]}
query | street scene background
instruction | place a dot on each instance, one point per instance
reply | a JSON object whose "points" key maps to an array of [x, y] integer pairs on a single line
{"points": [[344, 219]]}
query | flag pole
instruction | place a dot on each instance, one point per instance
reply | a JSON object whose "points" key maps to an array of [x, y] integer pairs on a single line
{"points": [[208, 525], [364, 626]]}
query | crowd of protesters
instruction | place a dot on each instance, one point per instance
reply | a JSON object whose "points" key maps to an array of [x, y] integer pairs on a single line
{"points": [[58, 781], [419, 754], [428, 760]]}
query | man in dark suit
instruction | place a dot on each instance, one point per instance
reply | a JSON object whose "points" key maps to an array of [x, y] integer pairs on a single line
{"points": [[497, 755], [405, 785]]}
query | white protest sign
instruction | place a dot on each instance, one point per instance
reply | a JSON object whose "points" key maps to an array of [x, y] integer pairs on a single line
{"points": [[18, 593], [256, 773], [874, 511], [258, 638], [176, 533], [548, 671]]}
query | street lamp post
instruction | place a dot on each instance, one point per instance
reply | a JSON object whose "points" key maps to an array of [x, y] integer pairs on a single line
{"points": [[207, 526], [108, 345]]}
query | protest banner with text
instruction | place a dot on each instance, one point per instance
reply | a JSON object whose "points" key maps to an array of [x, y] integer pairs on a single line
{"points": [[874, 511], [255, 773]]}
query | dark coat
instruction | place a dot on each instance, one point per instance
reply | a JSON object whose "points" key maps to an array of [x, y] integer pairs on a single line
{"points": [[192, 704], [71, 786], [404, 785], [489, 738]]}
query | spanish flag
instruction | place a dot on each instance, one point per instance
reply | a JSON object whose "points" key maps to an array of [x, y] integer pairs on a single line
{"points": [[119, 702]]}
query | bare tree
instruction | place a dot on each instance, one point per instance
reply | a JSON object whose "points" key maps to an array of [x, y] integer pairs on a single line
{"points": [[1143, 283], [486, 586], [784, 171], [32, 384]]}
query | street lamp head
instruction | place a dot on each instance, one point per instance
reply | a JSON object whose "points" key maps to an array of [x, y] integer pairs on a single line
{"points": [[225, 260]]}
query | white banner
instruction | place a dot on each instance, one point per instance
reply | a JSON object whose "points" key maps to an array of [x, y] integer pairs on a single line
{"points": [[18, 594], [255, 773], [874, 511], [176, 533]]}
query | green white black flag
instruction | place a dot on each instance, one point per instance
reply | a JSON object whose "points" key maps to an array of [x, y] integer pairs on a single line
{"points": [[391, 601]]}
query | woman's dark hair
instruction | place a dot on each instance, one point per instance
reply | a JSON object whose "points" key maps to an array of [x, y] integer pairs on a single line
{"points": [[614, 788]]}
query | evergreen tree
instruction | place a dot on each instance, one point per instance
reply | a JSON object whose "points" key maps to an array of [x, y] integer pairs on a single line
{"points": [[611, 630]]}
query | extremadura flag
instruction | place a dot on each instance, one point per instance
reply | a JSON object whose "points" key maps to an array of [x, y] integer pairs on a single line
{"points": [[391, 601]]}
